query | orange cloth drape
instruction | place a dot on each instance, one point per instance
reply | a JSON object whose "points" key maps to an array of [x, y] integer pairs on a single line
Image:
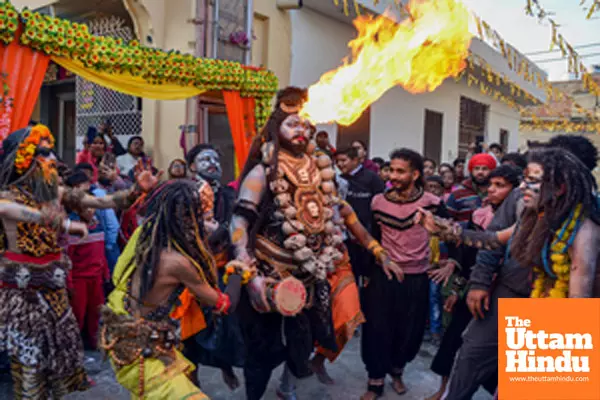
{"points": [[23, 72], [240, 112]]}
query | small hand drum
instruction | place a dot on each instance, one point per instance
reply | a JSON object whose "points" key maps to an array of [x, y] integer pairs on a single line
{"points": [[288, 297]]}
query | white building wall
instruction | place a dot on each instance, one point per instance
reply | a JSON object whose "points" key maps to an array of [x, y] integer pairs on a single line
{"points": [[319, 44]]}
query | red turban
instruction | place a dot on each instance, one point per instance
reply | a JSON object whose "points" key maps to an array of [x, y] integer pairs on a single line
{"points": [[482, 159]]}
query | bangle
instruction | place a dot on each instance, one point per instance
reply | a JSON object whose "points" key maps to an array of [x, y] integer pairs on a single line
{"points": [[223, 304], [67, 225], [236, 267]]}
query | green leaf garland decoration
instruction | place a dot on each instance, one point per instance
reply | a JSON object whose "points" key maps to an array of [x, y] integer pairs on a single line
{"points": [[63, 38]]}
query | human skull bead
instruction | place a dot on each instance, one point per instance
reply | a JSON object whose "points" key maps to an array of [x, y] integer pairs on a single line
{"points": [[310, 265], [295, 242], [283, 200], [323, 161], [328, 174], [59, 277], [303, 254], [291, 212], [328, 187], [23, 276], [279, 186]]}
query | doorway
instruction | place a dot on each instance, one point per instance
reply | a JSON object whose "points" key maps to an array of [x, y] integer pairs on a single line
{"points": [[66, 145]]}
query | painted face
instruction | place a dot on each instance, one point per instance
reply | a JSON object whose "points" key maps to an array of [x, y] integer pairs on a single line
{"points": [[481, 175], [428, 168], [294, 134], [207, 164], [402, 175], [448, 177], [498, 190], [532, 185]]}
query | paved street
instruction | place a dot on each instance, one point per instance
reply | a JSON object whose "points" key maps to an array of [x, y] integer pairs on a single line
{"points": [[348, 373]]}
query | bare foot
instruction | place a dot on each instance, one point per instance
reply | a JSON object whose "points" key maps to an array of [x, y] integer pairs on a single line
{"points": [[230, 379], [318, 367], [369, 396], [398, 385]]}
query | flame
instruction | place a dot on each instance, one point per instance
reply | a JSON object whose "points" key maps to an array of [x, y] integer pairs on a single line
{"points": [[418, 54]]}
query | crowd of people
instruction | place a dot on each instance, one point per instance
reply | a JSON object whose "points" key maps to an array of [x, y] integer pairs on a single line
{"points": [[311, 246]]}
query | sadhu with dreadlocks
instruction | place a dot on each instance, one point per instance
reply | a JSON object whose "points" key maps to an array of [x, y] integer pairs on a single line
{"points": [[37, 326], [557, 236], [558, 232], [284, 223], [166, 254]]}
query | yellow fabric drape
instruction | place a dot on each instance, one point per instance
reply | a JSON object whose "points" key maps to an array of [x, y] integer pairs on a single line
{"points": [[129, 84]]}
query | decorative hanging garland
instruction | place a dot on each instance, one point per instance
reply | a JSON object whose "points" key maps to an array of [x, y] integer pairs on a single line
{"points": [[62, 38]]}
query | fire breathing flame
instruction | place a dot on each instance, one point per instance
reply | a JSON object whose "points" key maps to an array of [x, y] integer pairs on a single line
{"points": [[418, 54]]}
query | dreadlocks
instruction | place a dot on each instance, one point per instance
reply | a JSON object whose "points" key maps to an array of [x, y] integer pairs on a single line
{"points": [[565, 184], [289, 97], [173, 220]]}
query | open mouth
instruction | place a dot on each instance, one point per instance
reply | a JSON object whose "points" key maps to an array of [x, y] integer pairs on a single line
{"points": [[300, 139]]}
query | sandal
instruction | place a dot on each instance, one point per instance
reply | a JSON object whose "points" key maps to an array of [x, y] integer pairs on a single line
{"points": [[373, 392]]}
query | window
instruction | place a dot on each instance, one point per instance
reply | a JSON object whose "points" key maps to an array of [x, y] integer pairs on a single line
{"points": [[504, 139], [473, 118], [432, 146], [359, 130]]}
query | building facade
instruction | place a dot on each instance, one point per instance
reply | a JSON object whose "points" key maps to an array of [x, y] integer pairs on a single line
{"points": [[438, 124], [298, 41]]}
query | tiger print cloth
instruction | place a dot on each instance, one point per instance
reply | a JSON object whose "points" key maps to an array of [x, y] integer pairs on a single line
{"points": [[38, 329]]}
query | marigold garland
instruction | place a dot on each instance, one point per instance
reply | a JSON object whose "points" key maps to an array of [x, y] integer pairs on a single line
{"points": [[561, 261], [63, 38], [27, 149]]}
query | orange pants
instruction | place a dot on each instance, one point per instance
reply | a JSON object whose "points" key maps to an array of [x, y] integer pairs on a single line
{"points": [[345, 309]]}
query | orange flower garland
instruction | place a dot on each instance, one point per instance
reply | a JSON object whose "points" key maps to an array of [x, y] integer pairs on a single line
{"points": [[26, 151]]}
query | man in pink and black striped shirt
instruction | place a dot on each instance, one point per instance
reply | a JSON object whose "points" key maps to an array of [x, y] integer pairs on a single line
{"points": [[396, 312]]}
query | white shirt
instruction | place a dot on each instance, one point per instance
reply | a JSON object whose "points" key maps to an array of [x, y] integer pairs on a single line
{"points": [[126, 163]]}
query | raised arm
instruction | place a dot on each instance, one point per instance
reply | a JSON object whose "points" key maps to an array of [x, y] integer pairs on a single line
{"points": [[368, 242], [48, 216], [454, 233], [584, 259], [245, 214]]}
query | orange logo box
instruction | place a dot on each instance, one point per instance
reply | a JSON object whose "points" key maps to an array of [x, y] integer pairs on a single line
{"points": [[549, 349]]}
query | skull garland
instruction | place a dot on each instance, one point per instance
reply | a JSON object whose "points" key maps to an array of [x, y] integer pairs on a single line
{"points": [[314, 260]]}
